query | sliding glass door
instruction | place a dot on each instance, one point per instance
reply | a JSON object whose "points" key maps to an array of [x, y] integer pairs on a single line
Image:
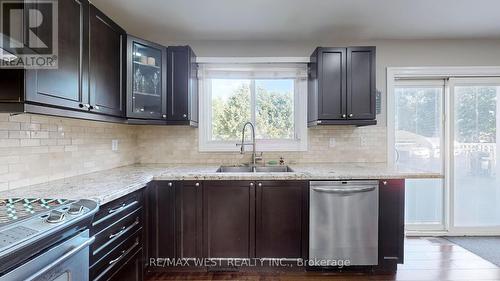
{"points": [[447, 120], [475, 172], [463, 148], [418, 144]]}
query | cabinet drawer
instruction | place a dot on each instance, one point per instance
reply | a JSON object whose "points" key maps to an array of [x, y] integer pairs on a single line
{"points": [[115, 234], [110, 212], [112, 261]]}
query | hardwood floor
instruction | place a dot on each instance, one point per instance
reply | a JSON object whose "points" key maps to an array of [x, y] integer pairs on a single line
{"points": [[426, 259]]}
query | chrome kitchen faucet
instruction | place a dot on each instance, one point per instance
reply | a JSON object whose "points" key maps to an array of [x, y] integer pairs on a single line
{"points": [[242, 144]]}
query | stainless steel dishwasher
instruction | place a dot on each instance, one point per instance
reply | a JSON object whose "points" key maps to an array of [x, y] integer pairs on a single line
{"points": [[343, 222]]}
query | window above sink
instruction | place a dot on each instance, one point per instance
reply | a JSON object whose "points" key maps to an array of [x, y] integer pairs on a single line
{"points": [[273, 96]]}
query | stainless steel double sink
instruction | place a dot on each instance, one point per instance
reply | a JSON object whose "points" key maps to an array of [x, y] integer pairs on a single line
{"points": [[256, 169]]}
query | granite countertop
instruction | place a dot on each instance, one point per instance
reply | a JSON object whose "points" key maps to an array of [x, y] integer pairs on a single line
{"points": [[105, 186]]}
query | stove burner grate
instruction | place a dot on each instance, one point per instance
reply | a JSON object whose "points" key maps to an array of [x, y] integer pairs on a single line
{"points": [[12, 209]]}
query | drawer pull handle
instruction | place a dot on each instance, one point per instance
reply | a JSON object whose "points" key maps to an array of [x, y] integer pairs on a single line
{"points": [[124, 228], [123, 253], [117, 208], [118, 233], [118, 258]]}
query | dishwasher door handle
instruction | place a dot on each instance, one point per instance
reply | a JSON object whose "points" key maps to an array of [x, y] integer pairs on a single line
{"points": [[343, 190]]}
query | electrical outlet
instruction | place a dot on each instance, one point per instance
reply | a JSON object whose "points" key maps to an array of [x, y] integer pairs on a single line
{"points": [[114, 145], [332, 142]]}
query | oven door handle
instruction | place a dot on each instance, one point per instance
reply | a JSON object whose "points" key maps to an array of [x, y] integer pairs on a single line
{"points": [[62, 259]]}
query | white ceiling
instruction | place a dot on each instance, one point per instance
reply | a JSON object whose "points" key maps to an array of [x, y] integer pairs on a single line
{"points": [[330, 20]]}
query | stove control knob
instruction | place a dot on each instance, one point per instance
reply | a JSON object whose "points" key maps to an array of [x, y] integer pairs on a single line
{"points": [[75, 209], [55, 217]]}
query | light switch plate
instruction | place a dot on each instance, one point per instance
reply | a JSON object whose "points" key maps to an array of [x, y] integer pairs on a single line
{"points": [[363, 141], [332, 142], [114, 145]]}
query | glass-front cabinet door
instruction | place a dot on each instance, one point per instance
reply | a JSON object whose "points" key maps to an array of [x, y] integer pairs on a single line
{"points": [[146, 83]]}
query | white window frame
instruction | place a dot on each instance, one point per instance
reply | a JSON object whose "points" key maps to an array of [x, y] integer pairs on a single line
{"points": [[206, 144], [429, 73]]}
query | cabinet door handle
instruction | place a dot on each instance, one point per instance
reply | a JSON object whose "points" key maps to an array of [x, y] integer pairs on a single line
{"points": [[170, 184], [251, 184], [351, 115], [184, 115], [344, 116], [259, 184], [384, 182], [197, 184]]}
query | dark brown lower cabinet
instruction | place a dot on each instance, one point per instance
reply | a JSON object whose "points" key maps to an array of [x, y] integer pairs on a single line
{"points": [[117, 252], [229, 219], [188, 219], [281, 219], [247, 219], [132, 269], [161, 203], [391, 224]]}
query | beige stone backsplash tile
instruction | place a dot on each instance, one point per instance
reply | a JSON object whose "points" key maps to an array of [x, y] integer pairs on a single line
{"points": [[30, 142], [4, 186], [22, 118], [19, 134], [36, 148], [7, 126], [46, 148], [180, 145], [9, 142], [4, 168], [30, 126]]}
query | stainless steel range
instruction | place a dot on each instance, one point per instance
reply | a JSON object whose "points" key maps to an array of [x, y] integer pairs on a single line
{"points": [[45, 239]]}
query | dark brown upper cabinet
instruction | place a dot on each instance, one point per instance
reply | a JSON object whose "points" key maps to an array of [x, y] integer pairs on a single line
{"points": [[182, 86], [106, 52], [66, 86], [146, 80], [341, 86], [105, 75], [88, 79]]}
